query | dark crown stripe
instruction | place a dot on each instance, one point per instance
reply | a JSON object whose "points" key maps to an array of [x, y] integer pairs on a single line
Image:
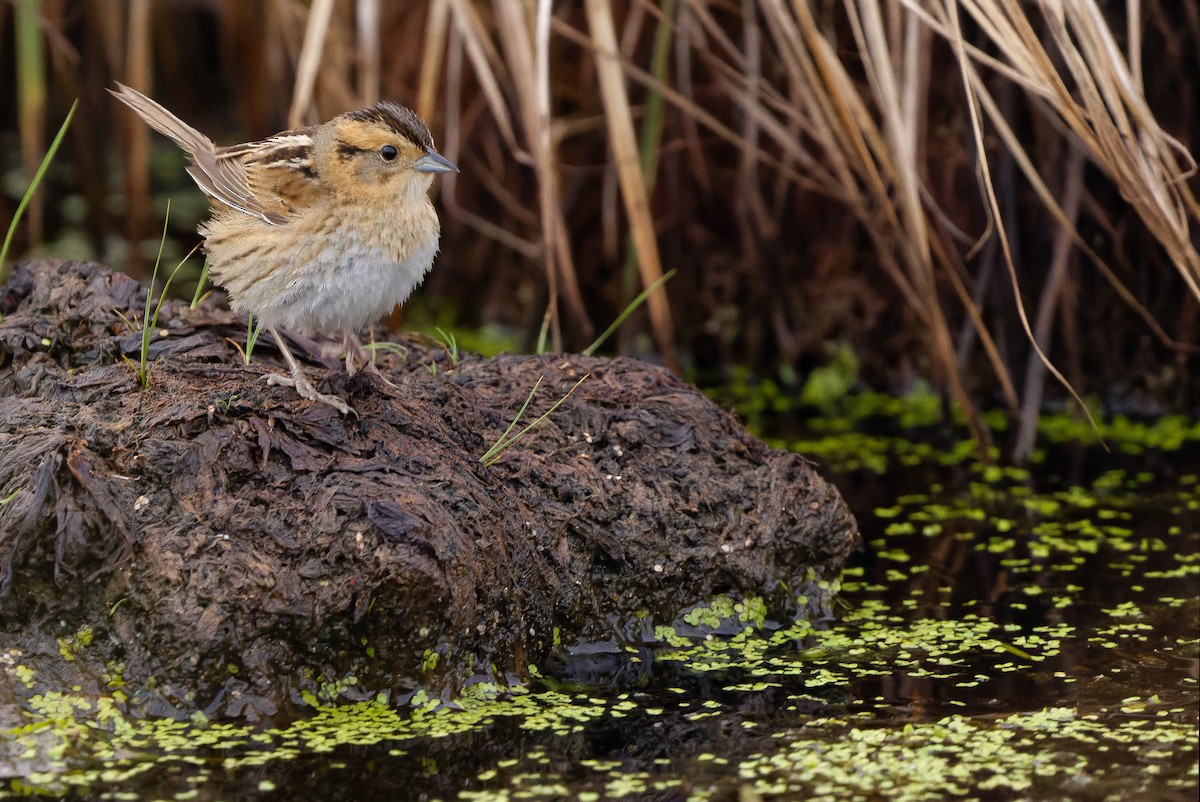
{"points": [[395, 117]]}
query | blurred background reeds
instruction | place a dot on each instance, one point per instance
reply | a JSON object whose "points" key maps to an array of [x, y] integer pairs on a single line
{"points": [[927, 186]]}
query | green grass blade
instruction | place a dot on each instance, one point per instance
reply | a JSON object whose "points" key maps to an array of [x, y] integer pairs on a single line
{"points": [[200, 284], [150, 317], [253, 329], [493, 453], [505, 442], [544, 332], [147, 326], [33, 185], [634, 304], [449, 342]]}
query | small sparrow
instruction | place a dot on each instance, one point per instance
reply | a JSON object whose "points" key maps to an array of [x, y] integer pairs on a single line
{"points": [[315, 230]]}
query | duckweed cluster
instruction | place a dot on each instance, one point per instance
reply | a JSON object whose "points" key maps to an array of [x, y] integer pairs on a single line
{"points": [[859, 432], [1005, 633]]}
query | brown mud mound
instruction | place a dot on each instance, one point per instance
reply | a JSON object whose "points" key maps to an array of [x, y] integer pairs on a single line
{"points": [[217, 543]]}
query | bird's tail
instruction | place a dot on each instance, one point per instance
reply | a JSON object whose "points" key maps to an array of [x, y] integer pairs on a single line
{"points": [[163, 121]]}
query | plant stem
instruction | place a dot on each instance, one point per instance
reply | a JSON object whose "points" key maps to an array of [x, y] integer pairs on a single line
{"points": [[33, 185]]}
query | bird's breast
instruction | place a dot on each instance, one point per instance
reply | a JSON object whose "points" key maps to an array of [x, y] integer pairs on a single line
{"points": [[341, 270]]}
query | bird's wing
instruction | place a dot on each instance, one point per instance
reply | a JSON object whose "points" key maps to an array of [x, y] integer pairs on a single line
{"points": [[223, 179], [226, 184], [278, 171]]}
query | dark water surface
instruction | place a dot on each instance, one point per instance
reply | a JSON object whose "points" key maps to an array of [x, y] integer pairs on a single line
{"points": [[1004, 634]]}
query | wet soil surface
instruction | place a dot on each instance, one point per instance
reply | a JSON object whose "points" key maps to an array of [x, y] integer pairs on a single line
{"points": [[213, 542]]}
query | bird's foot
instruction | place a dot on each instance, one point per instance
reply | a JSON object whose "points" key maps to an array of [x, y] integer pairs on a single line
{"points": [[359, 357], [304, 388], [299, 381], [372, 368]]}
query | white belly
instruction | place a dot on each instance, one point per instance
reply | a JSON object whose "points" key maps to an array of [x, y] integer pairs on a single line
{"points": [[325, 288], [349, 288]]}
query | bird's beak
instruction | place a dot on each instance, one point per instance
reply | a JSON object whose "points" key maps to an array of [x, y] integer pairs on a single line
{"points": [[434, 162]]}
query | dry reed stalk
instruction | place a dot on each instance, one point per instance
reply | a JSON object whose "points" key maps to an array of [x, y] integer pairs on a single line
{"points": [[525, 42], [629, 169], [521, 63], [1152, 173], [138, 71], [1033, 174], [895, 78], [846, 155], [488, 68], [1035, 370], [696, 113], [315, 33], [366, 25], [649, 146], [31, 104], [867, 143], [764, 105], [437, 29], [1110, 118], [488, 227], [688, 40], [1100, 113], [993, 204]]}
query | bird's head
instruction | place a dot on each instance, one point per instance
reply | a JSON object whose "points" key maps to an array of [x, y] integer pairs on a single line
{"points": [[381, 151]]}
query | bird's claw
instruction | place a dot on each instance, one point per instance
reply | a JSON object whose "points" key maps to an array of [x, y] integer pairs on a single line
{"points": [[305, 389]]}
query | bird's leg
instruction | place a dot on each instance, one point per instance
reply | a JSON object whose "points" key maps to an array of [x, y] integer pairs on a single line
{"points": [[299, 381], [366, 358], [357, 357]]}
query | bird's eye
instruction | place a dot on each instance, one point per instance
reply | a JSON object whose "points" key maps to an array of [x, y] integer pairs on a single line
{"points": [[388, 152]]}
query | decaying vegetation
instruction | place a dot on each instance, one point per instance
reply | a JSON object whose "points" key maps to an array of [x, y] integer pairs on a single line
{"points": [[936, 183], [214, 520]]}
